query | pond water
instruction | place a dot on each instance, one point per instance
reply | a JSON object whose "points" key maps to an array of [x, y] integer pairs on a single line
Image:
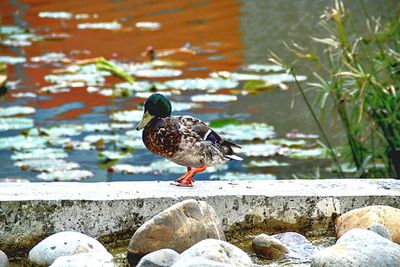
{"points": [[58, 120]]}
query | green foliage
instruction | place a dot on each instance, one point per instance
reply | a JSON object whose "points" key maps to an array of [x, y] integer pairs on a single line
{"points": [[218, 123], [359, 73], [103, 64]]}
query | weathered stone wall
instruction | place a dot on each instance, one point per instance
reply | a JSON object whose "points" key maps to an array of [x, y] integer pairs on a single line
{"points": [[30, 212]]}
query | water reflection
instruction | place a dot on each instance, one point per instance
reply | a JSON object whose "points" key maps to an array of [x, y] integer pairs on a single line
{"points": [[227, 37]]}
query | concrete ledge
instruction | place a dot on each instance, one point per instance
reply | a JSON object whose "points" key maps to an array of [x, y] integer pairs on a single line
{"points": [[31, 211]]}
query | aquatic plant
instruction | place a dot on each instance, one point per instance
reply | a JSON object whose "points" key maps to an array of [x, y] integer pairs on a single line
{"points": [[358, 75]]}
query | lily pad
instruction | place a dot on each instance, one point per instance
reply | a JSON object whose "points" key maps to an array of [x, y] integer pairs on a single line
{"points": [[148, 25], [271, 78], [130, 169], [288, 143], [50, 58], [78, 145], [70, 80], [218, 123], [100, 26], [15, 43], [113, 155], [202, 84], [25, 94], [232, 176], [294, 134], [263, 68], [266, 163], [40, 153], [56, 15], [65, 175], [146, 95], [128, 115], [139, 86], [261, 150], [21, 142], [213, 98], [101, 137], [15, 123], [46, 165], [246, 131], [10, 29], [318, 153], [12, 60], [59, 88], [16, 110], [158, 73]]}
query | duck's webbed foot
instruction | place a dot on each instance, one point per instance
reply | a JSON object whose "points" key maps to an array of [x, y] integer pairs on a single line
{"points": [[187, 179]]}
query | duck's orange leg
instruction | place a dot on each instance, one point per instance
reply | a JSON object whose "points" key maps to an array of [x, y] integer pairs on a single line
{"points": [[187, 178]]}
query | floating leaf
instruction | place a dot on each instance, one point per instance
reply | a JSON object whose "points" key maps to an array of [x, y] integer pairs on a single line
{"points": [[218, 123], [104, 137], [70, 80], [55, 15], [100, 26], [247, 131], [65, 175], [50, 58], [22, 95], [266, 163], [15, 43], [307, 154], [113, 155], [148, 25], [15, 123], [263, 68], [261, 150], [16, 110], [78, 145], [12, 60], [271, 78], [130, 169], [213, 98], [140, 86], [60, 88], [295, 134], [231, 176], [128, 115], [288, 143], [40, 153], [46, 165], [157, 73], [130, 143], [257, 85], [22, 142], [201, 84], [10, 29]]}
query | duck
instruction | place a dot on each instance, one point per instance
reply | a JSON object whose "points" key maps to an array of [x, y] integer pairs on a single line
{"points": [[184, 140]]}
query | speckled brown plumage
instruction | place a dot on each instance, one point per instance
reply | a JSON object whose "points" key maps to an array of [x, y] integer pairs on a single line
{"points": [[162, 137]]}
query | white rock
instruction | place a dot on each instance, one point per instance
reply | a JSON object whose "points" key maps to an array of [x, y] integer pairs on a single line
{"points": [[159, 258], [359, 247], [3, 259], [63, 244], [95, 259], [213, 250]]}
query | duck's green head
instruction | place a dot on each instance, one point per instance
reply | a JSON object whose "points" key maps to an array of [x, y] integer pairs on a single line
{"points": [[156, 105]]}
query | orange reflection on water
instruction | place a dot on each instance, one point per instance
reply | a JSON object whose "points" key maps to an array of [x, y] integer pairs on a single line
{"points": [[210, 25]]}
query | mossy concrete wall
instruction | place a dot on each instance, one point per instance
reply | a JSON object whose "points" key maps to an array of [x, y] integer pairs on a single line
{"points": [[113, 211]]}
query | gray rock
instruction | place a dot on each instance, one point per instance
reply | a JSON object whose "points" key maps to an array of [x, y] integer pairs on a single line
{"points": [[211, 250], [178, 228], [381, 230], [160, 258], [63, 244], [358, 248], [299, 247], [3, 259], [201, 262], [85, 260], [268, 247]]}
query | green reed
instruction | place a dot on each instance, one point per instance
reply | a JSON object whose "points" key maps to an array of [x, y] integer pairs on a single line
{"points": [[358, 72]]}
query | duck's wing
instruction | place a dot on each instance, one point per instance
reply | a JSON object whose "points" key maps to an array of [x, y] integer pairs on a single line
{"points": [[194, 128]]}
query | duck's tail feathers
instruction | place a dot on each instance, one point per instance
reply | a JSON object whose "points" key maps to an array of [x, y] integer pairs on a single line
{"points": [[234, 157]]}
